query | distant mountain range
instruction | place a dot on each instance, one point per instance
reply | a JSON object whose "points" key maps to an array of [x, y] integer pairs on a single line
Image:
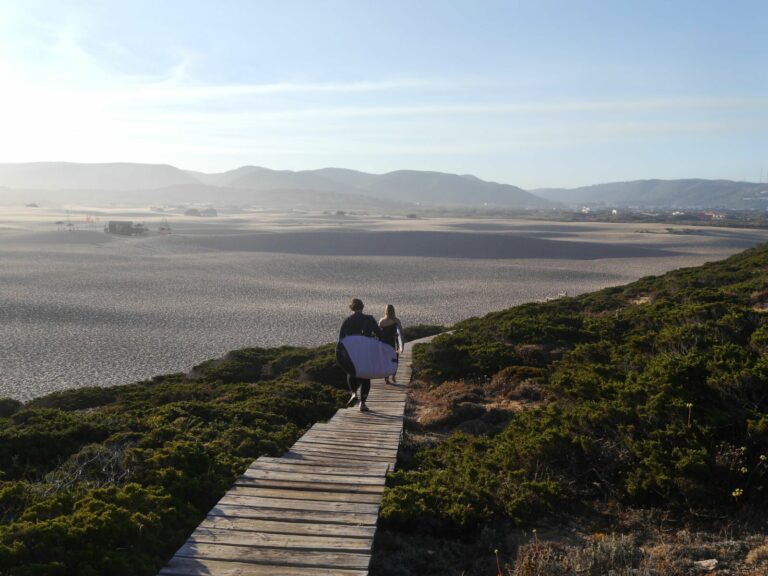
{"points": [[687, 193], [338, 188], [253, 185]]}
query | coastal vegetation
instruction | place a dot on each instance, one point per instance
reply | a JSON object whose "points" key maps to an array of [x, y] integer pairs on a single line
{"points": [[112, 480], [565, 437], [98, 481]]}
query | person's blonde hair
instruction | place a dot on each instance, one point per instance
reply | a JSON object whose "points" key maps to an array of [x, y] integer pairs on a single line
{"points": [[390, 312]]}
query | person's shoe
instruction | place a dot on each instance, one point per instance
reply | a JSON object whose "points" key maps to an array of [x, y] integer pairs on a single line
{"points": [[352, 401], [386, 380], [364, 408], [394, 380]]}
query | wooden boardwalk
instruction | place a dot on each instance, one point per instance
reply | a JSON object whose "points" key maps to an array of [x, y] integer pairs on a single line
{"points": [[313, 511]]}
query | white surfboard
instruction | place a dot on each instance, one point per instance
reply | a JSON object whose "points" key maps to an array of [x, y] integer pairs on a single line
{"points": [[365, 357]]}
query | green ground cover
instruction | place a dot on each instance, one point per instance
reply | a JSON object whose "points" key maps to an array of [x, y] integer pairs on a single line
{"points": [[98, 481], [656, 399]]}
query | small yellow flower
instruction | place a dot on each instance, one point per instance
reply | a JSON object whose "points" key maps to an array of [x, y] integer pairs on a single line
{"points": [[763, 457], [743, 469], [737, 492]]}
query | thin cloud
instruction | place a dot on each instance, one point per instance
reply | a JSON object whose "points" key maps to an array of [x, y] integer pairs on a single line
{"points": [[659, 105]]}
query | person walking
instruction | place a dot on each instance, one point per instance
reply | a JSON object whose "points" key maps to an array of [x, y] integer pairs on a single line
{"points": [[391, 329], [358, 323]]}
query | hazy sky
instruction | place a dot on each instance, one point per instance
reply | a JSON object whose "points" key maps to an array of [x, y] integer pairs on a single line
{"points": [[537, 93]]}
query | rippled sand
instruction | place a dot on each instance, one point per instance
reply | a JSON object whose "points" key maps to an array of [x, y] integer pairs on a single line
{"points": [[85, 308]]}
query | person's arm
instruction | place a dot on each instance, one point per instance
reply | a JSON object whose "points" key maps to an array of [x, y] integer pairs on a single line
{"points": [[401, 334], [375, 328], [343, 330]]}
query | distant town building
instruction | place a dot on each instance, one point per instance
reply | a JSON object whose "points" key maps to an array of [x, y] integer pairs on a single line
{"points": [[204, 212], [124, 228]]}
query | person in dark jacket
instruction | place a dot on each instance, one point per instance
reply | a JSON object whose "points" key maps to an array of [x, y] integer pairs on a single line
{"points": [[366, 325]]}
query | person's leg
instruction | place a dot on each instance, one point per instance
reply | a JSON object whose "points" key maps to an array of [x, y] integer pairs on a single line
{"points": [[353, 384], [394, 376], [365, 388]]}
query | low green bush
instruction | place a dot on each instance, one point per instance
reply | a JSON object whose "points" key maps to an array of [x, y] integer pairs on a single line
{"points": [[112, 480], [656, 397]]}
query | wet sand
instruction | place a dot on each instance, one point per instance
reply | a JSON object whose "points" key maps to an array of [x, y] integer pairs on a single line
{"points": [[86, 308]]}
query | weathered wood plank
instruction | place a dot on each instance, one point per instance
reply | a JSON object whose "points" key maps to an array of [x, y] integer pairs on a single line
{"points": [[343, 496], [330, 454], [296, 528], [349, 442], [361, 453], [307, 505], [313, 485], [294, 515], [205, 535], [179, 566], [287, 464], [350, 478], [296, 466], [276, 557], [362, 437]]}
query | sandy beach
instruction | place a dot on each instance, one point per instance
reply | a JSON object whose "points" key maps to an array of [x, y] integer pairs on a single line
{"points": [[81, 307]]}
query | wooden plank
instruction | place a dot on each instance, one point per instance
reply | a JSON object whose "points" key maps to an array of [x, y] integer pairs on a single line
{"points": [[179, 566], [338, 463], [352, 446], [368, 419], [297, 466], [349, 560], [294, 515], [297, 528], [273, 460], [331, 454], [356, 442], [352, 443], [351, 432], [205, 535], [343, 449], [324, 486], [351, 478], [343, 436], [290, 504], [305, 494]]}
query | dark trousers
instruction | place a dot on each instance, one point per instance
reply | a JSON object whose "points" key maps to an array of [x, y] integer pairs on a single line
{"points": [[363, 383]]}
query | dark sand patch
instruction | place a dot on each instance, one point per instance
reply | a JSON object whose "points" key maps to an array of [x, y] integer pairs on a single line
{"points": [[425, 244]]}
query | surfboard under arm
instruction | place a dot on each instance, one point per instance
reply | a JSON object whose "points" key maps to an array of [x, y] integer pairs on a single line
{"points": [[369, 358]]}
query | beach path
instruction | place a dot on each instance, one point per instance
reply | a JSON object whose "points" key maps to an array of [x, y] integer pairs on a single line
{"points": [[313, 511]]}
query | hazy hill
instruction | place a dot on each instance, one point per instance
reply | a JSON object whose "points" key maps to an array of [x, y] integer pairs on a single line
{"points": [[441, 188], [411, 186], [72, 176], [127, 183], [687, 193]]}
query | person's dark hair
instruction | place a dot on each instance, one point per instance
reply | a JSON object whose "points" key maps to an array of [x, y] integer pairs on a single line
{"points": [[390, 312], [356, 304]]}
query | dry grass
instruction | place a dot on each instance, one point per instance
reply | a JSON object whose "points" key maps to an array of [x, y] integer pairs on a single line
{"points": [[678, 554], [474, 407]]}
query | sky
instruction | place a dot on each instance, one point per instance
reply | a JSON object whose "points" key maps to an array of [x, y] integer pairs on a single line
{"points": [[537, 93]]}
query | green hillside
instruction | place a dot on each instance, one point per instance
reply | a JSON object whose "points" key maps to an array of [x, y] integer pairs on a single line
{"points": [[111, 481], [645, 400]]}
